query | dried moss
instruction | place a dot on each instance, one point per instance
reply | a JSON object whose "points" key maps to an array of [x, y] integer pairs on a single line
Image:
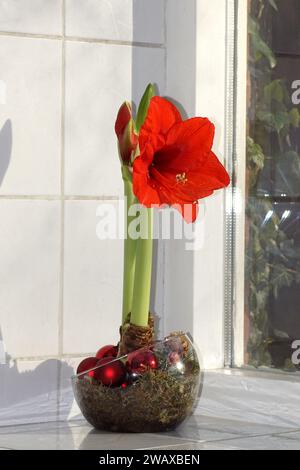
{"points": [[158, 401]]}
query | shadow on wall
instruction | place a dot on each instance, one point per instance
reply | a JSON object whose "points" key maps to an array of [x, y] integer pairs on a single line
{"points": [[171, 279], [31, 395], [5, 148]]}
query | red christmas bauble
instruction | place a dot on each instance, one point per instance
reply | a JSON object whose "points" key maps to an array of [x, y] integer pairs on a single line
{"points": [[111, 373], [140, 361], [107, 351], [86, 365]]}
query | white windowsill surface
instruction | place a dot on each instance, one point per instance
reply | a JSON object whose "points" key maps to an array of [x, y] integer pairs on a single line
{"points": [[238, 409], [255, 396]]}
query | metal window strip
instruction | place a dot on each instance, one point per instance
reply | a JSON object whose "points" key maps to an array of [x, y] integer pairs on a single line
{"points": [[230, 162]]}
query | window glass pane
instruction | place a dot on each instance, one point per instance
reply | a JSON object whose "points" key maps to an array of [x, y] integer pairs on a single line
{"points": [[272, 274]]}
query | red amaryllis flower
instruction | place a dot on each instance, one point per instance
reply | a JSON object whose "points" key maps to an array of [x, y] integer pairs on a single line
{"points": [[176, 165], [124, 128]]}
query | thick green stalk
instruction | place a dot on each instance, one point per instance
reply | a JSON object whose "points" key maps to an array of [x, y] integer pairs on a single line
{"points": [[129, 253], [143, 269]]}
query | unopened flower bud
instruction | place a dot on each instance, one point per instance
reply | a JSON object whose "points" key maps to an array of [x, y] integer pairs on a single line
{"points": [[125, 131]]}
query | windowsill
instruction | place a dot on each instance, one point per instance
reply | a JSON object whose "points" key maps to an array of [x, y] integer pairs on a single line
{"points": [[239, 395], [261, 372], [262, 397], [238, 409]]}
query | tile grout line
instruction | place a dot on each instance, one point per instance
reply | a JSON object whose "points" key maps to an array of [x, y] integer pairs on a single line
{"points": [[115, 42], [53, 197], [77, 422], [52, 356], [245, 436], [62, 208], [55, 37]]}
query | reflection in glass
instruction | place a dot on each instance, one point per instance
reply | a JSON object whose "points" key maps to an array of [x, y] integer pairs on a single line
{"points": [[272, 275]]}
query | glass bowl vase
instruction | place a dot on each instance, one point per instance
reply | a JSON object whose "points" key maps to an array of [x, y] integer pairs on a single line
{"points": [[157, 389]]}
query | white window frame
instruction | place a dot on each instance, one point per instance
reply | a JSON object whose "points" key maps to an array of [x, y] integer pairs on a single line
{"points": [[236, 337], [197, 68], [206, 70]]}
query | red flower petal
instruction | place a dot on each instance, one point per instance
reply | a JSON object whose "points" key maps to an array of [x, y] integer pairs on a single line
{"points": [[142, 188], [189, 211], [176, 165], [161, 116], [175, 192], [213, 173], [194, 135]]}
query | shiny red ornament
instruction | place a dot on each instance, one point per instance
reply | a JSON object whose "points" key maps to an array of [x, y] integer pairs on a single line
{"points": [[107, 351], [112, 372], [176, 165], [141, 361], [86, 365]]}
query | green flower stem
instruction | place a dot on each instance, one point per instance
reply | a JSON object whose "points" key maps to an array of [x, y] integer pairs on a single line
{"points": [[129, 252], [143, 268]]}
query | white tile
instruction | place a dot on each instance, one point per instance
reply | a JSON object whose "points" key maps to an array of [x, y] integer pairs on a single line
{"points": [[127, 20], [52, 427], [29, 276], [83, 437], [201, 425], [261, 443], [102, 440], [98, 81], [243, 406], [92, 282], [290, 435], [68, 408], [68, 372], [43, 436], [31, 16], [28, 392], [193, 430], [80, 435], [199, 446], [30, 80]]}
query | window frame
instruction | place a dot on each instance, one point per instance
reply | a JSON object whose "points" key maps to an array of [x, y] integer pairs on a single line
{"points": [[236, 226], [235, 215]]}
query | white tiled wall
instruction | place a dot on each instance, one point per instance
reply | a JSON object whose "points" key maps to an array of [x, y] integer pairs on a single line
{"points": [[31, 71], [29, 276], [98, 77], [66, 66], [31, 16], [117, 20], [92, 267]]}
